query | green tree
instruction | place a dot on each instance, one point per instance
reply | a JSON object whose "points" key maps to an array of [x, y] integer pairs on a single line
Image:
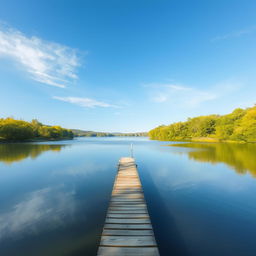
{"points": [[11, 129]]}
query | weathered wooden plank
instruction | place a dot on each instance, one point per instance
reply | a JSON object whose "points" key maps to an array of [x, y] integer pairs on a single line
{"points": [[127, 191], [127, 204], [128, 181], [127, 251], [135, 202], [125, 199], [133, 241], [119, 186], [128, 216], [125, 208], [130, 194], [128, 173], [127, 178], [135, 198], [128, 211], [127, 184], [127, 221], [125, 232], [132, 185], [128, 226], [126, 196]]}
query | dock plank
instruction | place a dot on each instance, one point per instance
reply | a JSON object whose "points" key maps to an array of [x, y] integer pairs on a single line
{"points": [[144, 211], [128, 216], [129, 221], [128, 226], [125, 232], [117, 251], [134, 241]]}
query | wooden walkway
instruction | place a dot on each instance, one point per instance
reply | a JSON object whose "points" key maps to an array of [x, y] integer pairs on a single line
{"points": [[127, 230]]}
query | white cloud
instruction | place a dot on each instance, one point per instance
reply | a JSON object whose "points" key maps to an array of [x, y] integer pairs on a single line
{"points": [[179, 95], [234, 34], [177, 87], [46, 62], [160, 98], [199, 97], [84, 102]]}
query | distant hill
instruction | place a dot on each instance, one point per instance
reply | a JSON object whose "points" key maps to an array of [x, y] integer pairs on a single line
{"points": [[82, 133]]}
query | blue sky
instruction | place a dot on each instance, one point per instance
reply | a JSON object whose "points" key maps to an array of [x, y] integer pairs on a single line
{"points": [[125, 65]]}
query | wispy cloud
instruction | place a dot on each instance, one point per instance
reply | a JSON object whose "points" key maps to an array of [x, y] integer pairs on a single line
{"points": [[177, 87], [179, 94], [173, 86], [46, 62], [85, 102], [234, 34], [160, 97]]}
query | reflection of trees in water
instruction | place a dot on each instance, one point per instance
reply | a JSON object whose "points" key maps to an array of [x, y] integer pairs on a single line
{"points": [[241, 157], [10, 153]]}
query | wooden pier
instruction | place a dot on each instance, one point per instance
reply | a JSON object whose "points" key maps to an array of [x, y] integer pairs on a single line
{"points": [[127, 230]]}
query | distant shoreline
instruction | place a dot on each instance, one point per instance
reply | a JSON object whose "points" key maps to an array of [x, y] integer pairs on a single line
{"points": [[206, 140], [3, 141]]}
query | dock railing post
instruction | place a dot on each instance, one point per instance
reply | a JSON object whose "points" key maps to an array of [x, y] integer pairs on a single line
{"points": [[131, 150]]}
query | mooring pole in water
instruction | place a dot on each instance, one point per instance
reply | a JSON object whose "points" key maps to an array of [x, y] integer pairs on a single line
{"points": [[131, 150]]}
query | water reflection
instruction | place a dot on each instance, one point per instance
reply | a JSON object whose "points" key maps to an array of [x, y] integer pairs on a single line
{"points": [[57, 206], [41, 209], [241, 157], [16, 152]]}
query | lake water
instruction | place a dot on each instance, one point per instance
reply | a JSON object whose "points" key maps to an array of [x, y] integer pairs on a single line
{"points": [[54, 196]]}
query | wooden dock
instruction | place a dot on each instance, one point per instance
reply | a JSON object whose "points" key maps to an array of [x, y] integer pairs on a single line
{"points": [[127, 230]]}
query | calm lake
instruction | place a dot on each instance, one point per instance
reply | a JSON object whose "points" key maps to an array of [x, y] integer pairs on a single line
{"points": [[54, 196]]}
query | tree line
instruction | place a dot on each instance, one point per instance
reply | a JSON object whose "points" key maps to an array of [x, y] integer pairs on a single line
{"points": [[240, 125], [81, 133], [19, 130]]}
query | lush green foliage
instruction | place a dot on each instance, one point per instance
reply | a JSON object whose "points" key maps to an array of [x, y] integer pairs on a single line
{"points": [[18, 130], [240, 125]]}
